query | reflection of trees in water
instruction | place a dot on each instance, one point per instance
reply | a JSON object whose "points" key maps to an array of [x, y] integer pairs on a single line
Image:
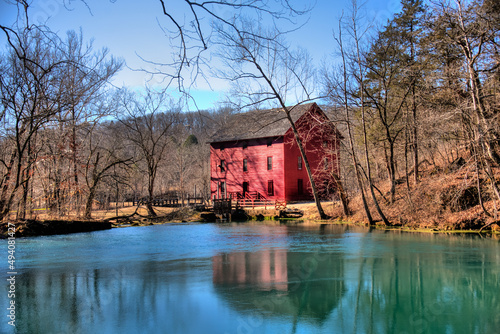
{"points": [[55, 302], [386, 283], [279, 282], [382, 283], [428, 284], [74, 300]]}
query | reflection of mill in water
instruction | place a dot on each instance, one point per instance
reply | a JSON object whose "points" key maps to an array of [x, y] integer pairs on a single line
{"points": [[277, 282]]}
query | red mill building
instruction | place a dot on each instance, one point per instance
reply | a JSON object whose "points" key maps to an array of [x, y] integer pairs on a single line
{"points": [[256, 156]]}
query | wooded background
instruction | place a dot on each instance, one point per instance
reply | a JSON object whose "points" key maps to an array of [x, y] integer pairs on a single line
{"points": [[420, 92]]}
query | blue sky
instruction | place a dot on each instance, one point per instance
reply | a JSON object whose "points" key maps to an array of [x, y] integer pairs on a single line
{"points": [[129, 28]]}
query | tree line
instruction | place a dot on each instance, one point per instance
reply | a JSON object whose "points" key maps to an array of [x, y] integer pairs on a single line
{"points": [[421, 90], [69, 141]]}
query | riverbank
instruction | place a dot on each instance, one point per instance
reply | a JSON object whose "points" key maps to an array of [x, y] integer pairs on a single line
{"points": [[30, 227], [444, 200], [105, 219], [185, 215]]}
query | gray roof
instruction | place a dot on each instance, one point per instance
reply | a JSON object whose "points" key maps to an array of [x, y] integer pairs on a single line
{"points": [[258, 124]]}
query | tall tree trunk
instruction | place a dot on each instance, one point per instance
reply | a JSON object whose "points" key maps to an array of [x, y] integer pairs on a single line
{"points": [[363, 122], [342, 194], [368, 168], [345, 102], [22, 206], [90, 201], [75, 167], [149, 204], [414, 104], [392, 171], [479, 191], [415, 138], [317, 201], [4, 202], [26, 179]]}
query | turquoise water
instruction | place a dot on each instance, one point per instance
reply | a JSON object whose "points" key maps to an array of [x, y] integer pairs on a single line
{"points": [[254, 278]]}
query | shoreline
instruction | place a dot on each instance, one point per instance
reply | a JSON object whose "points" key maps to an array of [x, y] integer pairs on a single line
{"points": [[32, 228]]}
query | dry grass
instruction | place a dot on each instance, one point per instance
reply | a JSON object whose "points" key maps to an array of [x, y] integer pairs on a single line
{"points": [[437, 201], [103, 214], [332, 209]]}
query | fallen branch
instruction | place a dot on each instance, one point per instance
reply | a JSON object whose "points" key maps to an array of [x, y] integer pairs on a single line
{"points": [[127, 217], [491, 223]]}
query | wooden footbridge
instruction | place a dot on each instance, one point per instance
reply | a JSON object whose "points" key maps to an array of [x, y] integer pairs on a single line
{"points": [[171, 201]]}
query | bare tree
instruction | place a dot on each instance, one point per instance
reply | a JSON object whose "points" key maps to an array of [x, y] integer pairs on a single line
{"points": [[265, 71], [469, 27], [360, 81], [29, 97], [192, 36], [387, 95], [339, 88], [104, 153], [82, 85], [146, 122], [472, 27], [46, 84], [183, 165]]}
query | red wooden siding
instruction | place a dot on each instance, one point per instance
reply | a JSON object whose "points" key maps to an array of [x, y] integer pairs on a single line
{"points": [[320, 141], [257, 175]]}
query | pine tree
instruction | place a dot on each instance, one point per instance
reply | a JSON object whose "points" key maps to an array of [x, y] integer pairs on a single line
{"points": [[409, 26]]}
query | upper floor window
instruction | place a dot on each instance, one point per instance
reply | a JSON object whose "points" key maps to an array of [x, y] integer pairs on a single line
{"points": [[269, 142], [222, 147], [299, 162], [245, 145], [222, 166], [325, 161], [269, 163], [245, 165]]}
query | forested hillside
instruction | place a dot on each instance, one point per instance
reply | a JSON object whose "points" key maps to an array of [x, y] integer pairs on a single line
{"points": [[421, 97]]}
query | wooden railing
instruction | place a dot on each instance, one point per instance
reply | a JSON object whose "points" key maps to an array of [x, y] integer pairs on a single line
{"points": [[253, 199], [255, 195], [254, 202], [235, 195]]}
